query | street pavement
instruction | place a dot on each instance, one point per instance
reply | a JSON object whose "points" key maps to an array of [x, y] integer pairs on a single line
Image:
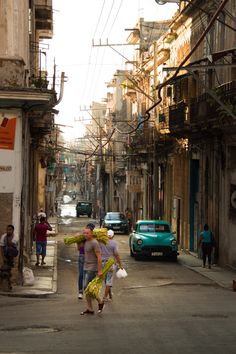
{"points": [[160, 308], [46, 276]]}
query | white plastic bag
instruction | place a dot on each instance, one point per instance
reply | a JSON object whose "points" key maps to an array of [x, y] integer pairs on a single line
{"points": [[28, 276], [121, 273]]}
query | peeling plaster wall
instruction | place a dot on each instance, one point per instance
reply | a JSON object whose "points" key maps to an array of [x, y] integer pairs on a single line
{"points": [[14, 42]]}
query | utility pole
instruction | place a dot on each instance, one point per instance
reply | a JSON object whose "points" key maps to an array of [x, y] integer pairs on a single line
{"points": [[155, 157], [156, 201], [111, 191]]}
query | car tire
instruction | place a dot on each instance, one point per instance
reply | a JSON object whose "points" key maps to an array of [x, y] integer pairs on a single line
{"points": [[174, 258], [77, 215], [137, 257], [131, 253]]}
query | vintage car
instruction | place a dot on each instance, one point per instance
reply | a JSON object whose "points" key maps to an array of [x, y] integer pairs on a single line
{"points": [[117, 222], [153, 238]]}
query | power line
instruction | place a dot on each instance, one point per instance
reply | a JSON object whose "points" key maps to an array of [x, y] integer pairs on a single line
{"points": [[99, 18], [90, 54], [121, 2], [111, 8]]}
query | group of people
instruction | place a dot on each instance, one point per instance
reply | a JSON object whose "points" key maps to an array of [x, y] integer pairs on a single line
{"points": [[93, 255]]}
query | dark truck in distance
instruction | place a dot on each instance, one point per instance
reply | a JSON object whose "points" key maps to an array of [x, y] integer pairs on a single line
{"points": [[84, 208]]}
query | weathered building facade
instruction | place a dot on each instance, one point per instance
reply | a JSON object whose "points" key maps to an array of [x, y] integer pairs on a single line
{"points": [[26, 114], [180, 153]]}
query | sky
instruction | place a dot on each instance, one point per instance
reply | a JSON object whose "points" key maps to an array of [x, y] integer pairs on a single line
{"points": [[76, 24]]}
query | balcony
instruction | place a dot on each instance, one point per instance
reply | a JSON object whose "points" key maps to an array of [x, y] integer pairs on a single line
{"points": [[43, 18], [228, 89], [205, 109], [178, 117], [40, 125]]}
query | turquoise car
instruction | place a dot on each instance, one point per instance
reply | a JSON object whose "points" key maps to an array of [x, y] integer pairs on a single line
{"points": [[153, 238]]}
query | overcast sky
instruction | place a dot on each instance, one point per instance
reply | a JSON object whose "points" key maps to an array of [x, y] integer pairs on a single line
{"points": [[76, 24]]}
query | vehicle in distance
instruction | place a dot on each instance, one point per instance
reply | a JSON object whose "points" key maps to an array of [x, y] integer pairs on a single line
{"points": [[84, 208], [116, 221], [153, 238]]}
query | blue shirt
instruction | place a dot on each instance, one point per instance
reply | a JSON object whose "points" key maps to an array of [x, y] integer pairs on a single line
{"points": [[206, 236]]}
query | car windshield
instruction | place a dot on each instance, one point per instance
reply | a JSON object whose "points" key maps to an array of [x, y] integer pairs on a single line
{"points": [[115, 216], [154, 228], [83, 204]]}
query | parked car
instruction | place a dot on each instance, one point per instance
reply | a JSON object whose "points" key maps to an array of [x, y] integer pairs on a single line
{"points": [[84, 208], [117, 222], [153, 238]]}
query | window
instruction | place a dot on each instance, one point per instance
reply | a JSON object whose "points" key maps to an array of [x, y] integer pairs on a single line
{"points": [[154, 228]]}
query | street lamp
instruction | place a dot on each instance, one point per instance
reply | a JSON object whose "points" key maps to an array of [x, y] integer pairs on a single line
{"points": [[163, 2]]}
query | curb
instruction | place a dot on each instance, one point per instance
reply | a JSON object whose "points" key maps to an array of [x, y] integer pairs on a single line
{"points": [[206, 276], [54, 277]]}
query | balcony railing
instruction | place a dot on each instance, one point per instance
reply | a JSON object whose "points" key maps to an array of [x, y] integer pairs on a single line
{"points": [[204, 108], [44, 19], [178, 115]]}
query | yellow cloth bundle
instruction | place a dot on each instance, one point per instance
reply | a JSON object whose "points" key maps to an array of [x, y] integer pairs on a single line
{"points": [[94, 287], [98, 234]]}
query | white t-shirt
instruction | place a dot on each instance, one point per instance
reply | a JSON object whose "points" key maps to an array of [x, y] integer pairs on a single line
{"points": [[3, 239]]}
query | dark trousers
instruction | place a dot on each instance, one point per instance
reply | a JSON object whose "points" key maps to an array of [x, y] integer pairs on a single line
{"points": [[81, 273], [206, 252]]}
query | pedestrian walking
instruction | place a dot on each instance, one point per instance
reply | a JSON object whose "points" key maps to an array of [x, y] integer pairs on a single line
{"points": [[110, 250], [92, 268], [129, 217], [101, 216], [41, 229], [80, 247], [206, 242]]}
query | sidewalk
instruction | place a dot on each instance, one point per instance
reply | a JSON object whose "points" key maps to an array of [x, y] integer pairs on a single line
{"points": [[45, 276], [222, 276]]}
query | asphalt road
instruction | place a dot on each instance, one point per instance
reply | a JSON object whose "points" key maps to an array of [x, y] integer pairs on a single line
{"points": [[160, 307]]}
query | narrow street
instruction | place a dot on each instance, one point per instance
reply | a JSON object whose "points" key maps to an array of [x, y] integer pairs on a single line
{"points": [[122, 112], [161, 307]]}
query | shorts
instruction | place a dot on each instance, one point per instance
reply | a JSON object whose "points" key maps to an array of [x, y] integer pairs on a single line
{"points": [[41, 247], [110, 275], [89, 275], [109, 278]]}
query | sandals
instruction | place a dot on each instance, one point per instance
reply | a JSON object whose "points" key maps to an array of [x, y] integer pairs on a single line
{"points": [[87, 312], [100, 307]]}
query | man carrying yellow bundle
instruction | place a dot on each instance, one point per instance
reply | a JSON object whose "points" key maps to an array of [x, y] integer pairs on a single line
{"points": [[92, 267], [80, 247]]}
